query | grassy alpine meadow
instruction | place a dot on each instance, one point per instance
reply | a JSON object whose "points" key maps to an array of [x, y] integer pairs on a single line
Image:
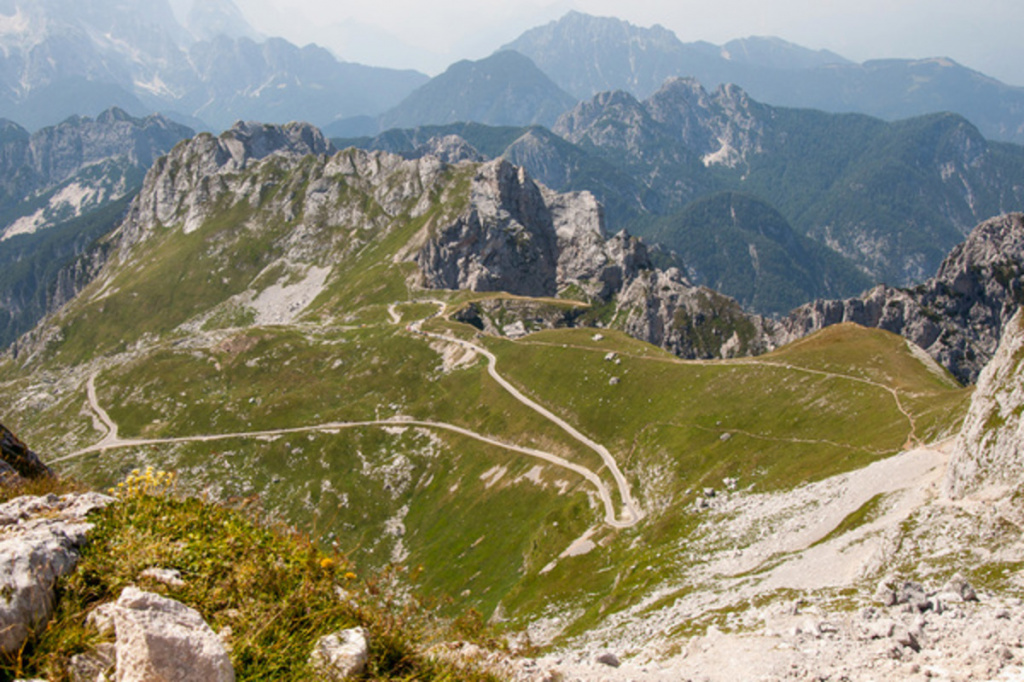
{"points": [[472, 519], [488, 528], [828, 404]]}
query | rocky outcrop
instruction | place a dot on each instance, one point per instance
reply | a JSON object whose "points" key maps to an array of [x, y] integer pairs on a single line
{"points": [[39, 539], [515, 317], [185, 186], [504, 241], [989, 450], [18, 458], [341, 656], [520, 237], [663, 308], [162, 639], [248, 164], [956, 316]]}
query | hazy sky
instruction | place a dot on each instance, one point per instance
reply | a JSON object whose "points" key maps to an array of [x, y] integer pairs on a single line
{"points": [[428, 36]]}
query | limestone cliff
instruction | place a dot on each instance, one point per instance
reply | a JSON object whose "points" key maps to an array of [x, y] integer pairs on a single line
{"points": [[504, 241], [990, 448]]}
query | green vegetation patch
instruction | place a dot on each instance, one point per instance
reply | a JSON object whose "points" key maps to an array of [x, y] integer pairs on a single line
{"points": [[274, 590], [865, 514]]}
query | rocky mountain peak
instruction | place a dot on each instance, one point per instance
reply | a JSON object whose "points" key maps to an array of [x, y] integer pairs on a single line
{"points": [[573, 124], [56, 152], [504, 241], [993, 245], [724, 127], [250, 140], [683, 89], [449, 149], [505, 88], [179, 186]]}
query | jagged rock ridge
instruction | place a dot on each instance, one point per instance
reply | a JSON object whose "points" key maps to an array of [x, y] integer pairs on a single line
{"points": [[869, 202], [501, 231], [956, 316], [33, 163], [505, 232]]}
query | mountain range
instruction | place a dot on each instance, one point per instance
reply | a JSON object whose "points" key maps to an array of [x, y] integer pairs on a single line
{"points": [[835, 201], [62, 58], [62, 188], [587, 55], [782, 442], [211, 68]]}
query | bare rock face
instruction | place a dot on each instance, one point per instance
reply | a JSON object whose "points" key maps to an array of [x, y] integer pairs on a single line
{"points": [[956, 316], [31, 163], [662, 308], [39, 538], [523, 238], [17, 457], [160, 639], [185, 185], [504, 241], [724, 126], [449, 149], [990, 448]]}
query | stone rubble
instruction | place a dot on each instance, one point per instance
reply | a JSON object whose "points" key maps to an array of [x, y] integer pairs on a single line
{"points": [[977, 639]]}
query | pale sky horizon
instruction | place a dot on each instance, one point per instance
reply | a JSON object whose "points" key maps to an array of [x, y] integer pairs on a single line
{"points": [[980, 34]]}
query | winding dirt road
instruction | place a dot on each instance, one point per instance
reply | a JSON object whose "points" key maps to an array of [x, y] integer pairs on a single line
{"points": [[632, 513]]}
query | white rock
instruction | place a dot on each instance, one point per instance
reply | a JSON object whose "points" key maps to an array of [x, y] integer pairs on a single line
{"points": [[162, 639], [340, 655], [882, 629], [37, 547], [102, 618], [990, 448], [963, 589], [93, 665], [167, 576]]}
